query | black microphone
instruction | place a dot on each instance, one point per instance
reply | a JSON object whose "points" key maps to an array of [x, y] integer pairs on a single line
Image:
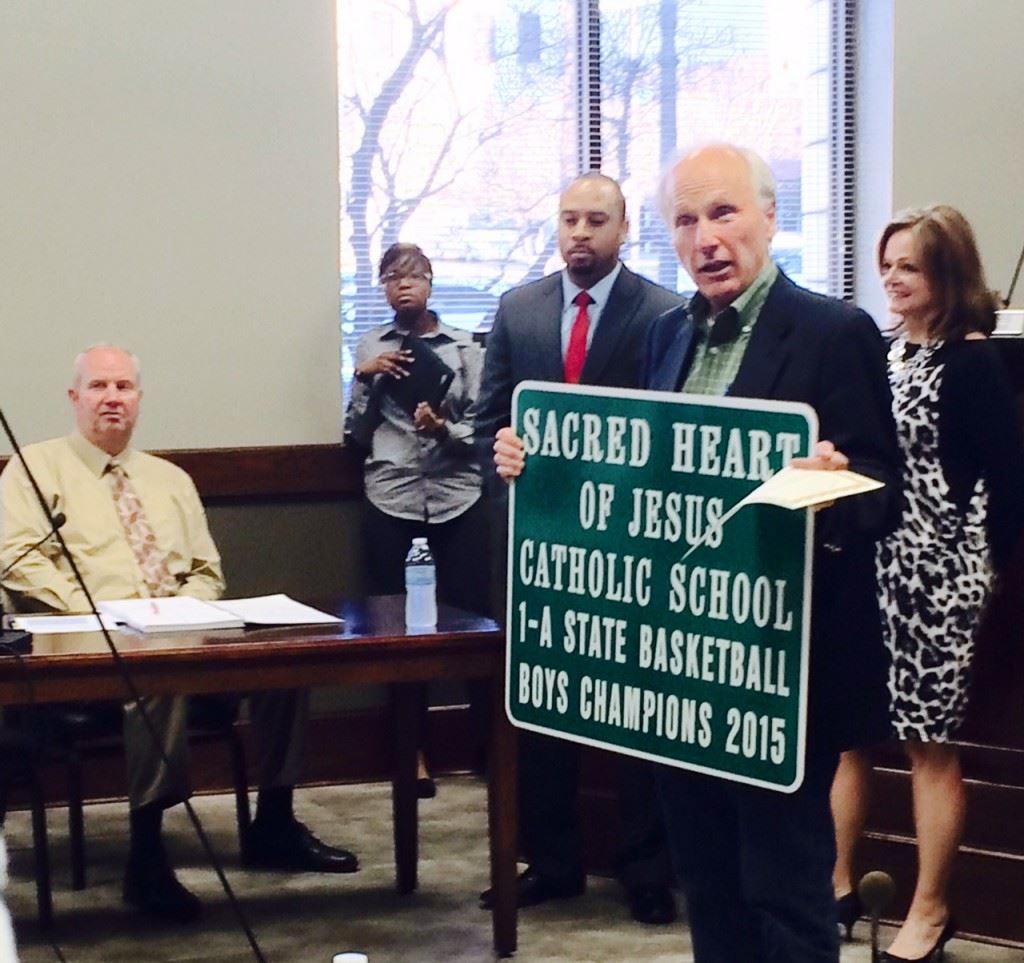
{"points": [[57, 521], [875, 890]]}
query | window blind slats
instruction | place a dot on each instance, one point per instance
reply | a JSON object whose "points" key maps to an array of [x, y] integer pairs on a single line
{"points": [[459, 124]]}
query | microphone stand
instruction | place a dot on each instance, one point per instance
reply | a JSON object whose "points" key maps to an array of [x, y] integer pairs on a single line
{"points": [[133, 695], [875, 891], [1013, 282]]}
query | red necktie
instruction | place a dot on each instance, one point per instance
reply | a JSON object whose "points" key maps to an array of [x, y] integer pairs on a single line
{"points": [[577, 351]]}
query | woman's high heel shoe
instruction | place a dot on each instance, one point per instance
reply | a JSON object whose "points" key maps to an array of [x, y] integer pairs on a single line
{"points": [[937, 952], [849, 909]]}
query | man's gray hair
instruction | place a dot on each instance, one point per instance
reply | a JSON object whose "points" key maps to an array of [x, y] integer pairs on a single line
{"points": [[76, 377], [761, 177]]}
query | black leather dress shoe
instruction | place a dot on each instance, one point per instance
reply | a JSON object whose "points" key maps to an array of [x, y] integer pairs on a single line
{"points": [[533, 888], [654, 905], [151, 886], [293, 847]]}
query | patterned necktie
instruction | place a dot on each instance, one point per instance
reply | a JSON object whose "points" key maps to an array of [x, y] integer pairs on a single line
{"points": [[726, 328], [577, 351], [147, 553]]}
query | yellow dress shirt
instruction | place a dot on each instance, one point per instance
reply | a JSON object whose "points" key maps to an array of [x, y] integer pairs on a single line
{"points": [[70, 472]]}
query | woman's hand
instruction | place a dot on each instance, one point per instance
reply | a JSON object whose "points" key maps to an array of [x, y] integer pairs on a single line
{"points": [[427, 421], [394, 363]]}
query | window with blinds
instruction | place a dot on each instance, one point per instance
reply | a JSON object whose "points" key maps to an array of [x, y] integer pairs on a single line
{"points": [[460, 122]]}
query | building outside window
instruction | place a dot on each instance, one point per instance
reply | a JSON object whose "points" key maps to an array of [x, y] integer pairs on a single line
{"points": [[461, 121]]}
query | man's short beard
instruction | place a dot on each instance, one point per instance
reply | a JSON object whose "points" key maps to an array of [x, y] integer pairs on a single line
{"points": [[592, 272]]}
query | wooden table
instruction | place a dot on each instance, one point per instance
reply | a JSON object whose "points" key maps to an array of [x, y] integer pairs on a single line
{"points": [[373, 646]]}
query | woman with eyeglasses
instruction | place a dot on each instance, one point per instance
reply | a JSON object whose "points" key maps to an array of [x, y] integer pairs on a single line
{"points": [[421, 475], [963, 514]]}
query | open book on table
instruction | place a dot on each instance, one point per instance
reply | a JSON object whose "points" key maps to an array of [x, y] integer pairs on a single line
{"points": [[182, 613]]}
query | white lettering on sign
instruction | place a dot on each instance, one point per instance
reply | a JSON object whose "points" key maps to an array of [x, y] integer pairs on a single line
{"points": [[730, 597], [572, 436], [707, 658], [544, 688], [637, 709], [671, 516], [737, 453], [595, 636], [580, 571]]}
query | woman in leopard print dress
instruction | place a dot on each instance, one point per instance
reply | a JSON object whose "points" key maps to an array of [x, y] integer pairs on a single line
{"points": [[963, 479]]}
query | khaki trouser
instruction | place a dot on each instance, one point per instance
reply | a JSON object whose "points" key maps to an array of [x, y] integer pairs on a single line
{"points": [[279, 725]]}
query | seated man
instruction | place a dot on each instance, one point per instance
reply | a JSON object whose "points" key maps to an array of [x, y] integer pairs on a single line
{"points": [[137, 529]]}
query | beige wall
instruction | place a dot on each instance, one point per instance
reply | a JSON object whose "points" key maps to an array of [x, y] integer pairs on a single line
{"points": [[958, 118], [169, 180]]}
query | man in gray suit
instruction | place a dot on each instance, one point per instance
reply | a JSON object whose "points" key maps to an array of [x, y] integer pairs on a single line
{"points": [[585, 324]]}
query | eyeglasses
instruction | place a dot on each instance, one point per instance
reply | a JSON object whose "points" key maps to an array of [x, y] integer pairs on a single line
{"points": [[393, 277]]}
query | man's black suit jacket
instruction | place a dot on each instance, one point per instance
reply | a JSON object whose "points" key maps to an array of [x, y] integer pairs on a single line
{"points": [[830, 355], [526, 344]]}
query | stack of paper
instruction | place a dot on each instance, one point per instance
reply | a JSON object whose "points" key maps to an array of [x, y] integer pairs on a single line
{"points": [[276, 610], [177, 614], [58, 624], [182, 613]]}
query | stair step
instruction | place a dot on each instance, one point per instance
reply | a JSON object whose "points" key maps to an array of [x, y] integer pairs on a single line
{"points": [[986, 892]]}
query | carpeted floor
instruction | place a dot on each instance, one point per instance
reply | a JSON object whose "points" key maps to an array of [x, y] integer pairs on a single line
{"points": [[307, 918]]}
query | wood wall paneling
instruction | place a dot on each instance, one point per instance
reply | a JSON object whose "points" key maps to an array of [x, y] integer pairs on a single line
{"points": [[281, 471]]}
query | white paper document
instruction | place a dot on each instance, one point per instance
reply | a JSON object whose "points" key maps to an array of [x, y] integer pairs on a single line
{"points": [[805, 487], [58, 624], [181, 613], [276, 610], [795, 488]]}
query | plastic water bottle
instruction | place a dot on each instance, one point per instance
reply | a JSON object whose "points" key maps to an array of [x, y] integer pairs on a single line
{"points": [[420, 587]]}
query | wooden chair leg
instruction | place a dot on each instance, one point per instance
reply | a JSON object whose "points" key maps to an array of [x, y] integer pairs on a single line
{"points": [[241, 787], [76, 822], [41, 849], [405, 721]]}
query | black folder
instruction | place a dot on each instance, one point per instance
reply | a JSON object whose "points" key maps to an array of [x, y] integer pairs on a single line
{"points": [[428, 379]]}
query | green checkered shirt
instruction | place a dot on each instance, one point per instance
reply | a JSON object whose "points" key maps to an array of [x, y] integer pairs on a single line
{"points": [[714, 369]]}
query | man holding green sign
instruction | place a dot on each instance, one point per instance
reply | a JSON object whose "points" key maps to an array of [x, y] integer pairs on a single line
{"points": [[755, 862]]}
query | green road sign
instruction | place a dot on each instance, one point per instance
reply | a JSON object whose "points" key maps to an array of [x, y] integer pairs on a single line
{"points": [[650, 612]]}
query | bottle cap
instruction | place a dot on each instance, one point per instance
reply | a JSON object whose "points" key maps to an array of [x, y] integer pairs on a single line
{"points": [[419, 541], [350, 958]]}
